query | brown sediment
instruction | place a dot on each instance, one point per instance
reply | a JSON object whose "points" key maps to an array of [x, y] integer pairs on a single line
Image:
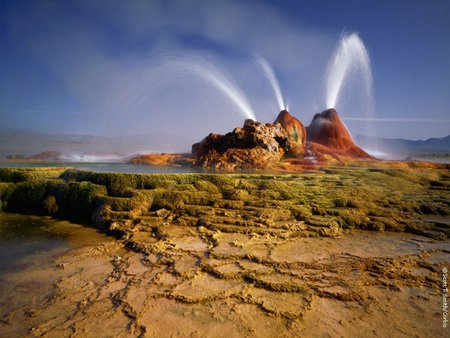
{"points": [[255, 255], [164, 159]]}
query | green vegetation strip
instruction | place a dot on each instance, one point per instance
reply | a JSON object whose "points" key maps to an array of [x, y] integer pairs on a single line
{"points": [[324, 202]]}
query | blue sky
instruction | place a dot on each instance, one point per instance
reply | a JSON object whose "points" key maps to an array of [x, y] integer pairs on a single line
{"points": [[107, 67]]}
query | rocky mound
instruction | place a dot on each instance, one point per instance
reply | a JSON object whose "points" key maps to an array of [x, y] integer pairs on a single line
{"points": [[327, 129], [255, 145], [295, 129]]}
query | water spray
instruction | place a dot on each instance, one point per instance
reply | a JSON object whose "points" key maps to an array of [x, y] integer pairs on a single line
{"points": [[349, 59], [269, 73], [215, 77]]}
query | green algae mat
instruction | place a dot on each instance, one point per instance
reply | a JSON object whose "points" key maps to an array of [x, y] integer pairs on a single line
{"points": [[325, 202]]}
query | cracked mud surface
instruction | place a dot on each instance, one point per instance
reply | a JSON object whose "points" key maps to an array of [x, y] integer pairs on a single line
{"points": [[242, 285]]}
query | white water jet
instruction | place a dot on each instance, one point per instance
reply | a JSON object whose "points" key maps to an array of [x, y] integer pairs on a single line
{"points": [[148, 85], [267, 69], [350, 60], [349, 83], [215, 77]]}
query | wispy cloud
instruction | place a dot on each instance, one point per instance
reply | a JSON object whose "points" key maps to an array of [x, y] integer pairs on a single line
{"points": [[55, 112], [107, 61]]}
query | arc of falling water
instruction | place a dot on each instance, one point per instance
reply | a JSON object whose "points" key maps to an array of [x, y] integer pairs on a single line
{"points": [[351, 55], [215, 77], [269, 73]]}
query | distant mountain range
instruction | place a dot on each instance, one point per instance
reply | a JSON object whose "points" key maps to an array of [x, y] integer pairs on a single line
{"points": [[404, 148], [28, 143]]}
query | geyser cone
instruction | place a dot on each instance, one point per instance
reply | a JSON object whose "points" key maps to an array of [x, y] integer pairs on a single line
{"points": [[295, 129], [327, 129]]}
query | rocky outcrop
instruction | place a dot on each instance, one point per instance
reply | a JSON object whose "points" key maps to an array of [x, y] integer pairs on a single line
{"points": [[255, 145], [295, 129], [327, 129]]}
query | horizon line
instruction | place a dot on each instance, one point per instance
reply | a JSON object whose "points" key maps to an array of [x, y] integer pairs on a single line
{"points": [[396, 119]]}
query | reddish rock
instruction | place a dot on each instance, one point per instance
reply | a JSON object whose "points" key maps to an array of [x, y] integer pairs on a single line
{"points": [[255, 145], [327, 129], [295, 129], [162, 159]]}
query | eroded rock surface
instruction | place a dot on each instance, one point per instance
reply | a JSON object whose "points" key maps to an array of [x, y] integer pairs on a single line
{"points": [[253, 146], [295, 129]]}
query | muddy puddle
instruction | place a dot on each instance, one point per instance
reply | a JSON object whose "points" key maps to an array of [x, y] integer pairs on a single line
{"points": [[29, 247]]}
